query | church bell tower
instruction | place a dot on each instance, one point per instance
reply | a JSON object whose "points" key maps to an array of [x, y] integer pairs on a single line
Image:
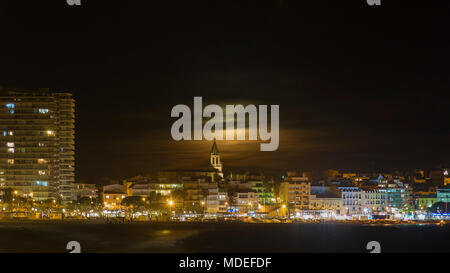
{"points": [[214, 158]]}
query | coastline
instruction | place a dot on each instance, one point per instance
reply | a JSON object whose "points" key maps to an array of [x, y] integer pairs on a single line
{"points": [[250, 222]]}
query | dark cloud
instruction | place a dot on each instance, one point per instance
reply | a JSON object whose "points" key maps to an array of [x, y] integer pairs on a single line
{"points": [[357, 88]]}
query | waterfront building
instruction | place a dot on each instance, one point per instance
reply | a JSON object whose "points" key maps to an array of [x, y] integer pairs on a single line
{"points": [[399, 195], [246, 201], [112, 196], [216, 202], [375, 202], [443, 194], [196, 190], [328, 205], [326, 200], [361, 202], [264, 190], [424, 201], [37, 143], [352, 200], [295, 192], [112, 199]]}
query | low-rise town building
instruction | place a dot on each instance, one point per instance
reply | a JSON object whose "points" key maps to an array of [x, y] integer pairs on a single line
{"points": [[443, 194], [112, 196], [216, 202], [359, 202], [425, 201], [327, 205], [245, 202]]}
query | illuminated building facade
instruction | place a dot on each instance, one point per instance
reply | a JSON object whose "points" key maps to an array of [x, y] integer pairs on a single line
{"points": [[216, 201], [196, 190], [443, 194], [399, 195], [327, 204], [352, 200], [113, 200], [246, 201], [37, 143], [264, 190], [112, 196], [424, 201], [295, 191], [146, 189], [359, 202]]}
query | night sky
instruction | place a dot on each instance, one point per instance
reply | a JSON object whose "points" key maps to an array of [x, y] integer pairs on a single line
{"points": [[359, 87]]}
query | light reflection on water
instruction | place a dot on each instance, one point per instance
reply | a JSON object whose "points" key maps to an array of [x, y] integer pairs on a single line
{"points": [[164, 232]]}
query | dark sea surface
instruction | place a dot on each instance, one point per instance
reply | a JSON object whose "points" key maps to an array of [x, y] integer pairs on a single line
{"points": [[219, 237]]}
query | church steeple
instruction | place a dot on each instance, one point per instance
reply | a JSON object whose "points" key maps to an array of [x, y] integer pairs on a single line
{"points": [[214, 158], [214, 150]]}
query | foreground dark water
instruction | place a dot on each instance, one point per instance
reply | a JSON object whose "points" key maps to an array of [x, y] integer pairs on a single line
{"points": [[214, 237]]}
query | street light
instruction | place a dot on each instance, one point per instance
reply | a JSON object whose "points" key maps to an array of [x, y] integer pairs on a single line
{"points": [[170, 202]]}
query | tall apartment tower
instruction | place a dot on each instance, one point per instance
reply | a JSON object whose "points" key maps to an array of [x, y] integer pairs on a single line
{"points": [[37, 143]]}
